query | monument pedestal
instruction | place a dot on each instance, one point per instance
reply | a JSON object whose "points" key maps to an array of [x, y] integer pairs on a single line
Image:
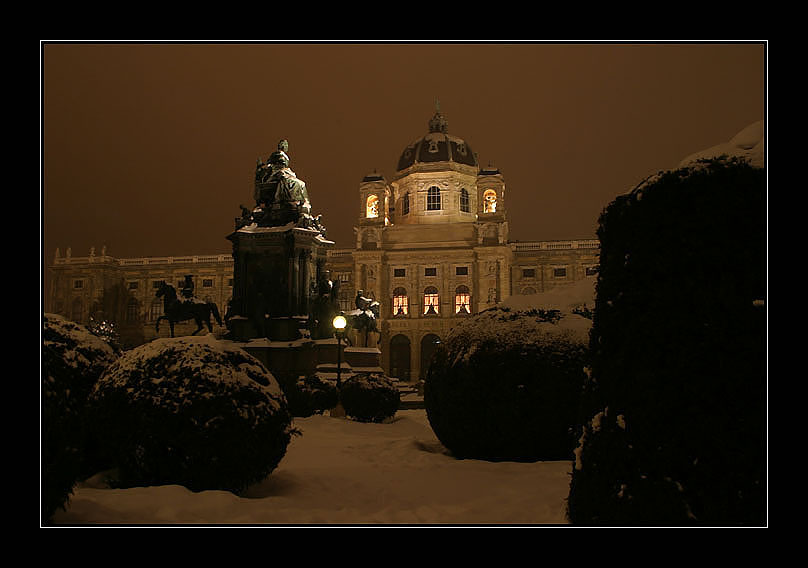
{"points": [[275, 271]]}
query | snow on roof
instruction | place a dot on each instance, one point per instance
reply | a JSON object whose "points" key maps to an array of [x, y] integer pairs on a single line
{"points": [[748, 144]]}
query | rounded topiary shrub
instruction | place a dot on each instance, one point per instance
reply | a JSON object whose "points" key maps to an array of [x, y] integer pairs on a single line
{"points": [[505, 385], [192, 411], [675, 417], [311, 395], [73, 359], [369, 397]]}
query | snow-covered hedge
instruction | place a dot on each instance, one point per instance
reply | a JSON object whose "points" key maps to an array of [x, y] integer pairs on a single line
{"points": [[674, 413], [192, 411], [369, 397], [310, 395], [505, 384], [73, 359]]}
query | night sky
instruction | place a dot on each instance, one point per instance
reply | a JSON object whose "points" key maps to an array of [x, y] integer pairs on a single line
{"points": [[151, 148]]}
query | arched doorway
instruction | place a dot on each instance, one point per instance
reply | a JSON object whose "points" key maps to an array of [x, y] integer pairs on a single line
{"points": [[400, 357], [429, 344]]}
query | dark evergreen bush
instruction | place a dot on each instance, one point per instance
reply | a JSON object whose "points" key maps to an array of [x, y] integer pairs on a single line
{"points": [[311, 395], [73, 359], [505, 385], [674, 424], [369, 397], [192, 411]]}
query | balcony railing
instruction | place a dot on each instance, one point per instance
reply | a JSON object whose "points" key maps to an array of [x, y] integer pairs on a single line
{"points": [[149, 260], [556, 245]]}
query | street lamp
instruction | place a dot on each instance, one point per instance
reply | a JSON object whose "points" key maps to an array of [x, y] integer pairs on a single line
{"points": [[339, 327]]}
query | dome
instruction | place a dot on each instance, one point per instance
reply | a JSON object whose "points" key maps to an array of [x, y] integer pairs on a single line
{"points": [[437, 146]]}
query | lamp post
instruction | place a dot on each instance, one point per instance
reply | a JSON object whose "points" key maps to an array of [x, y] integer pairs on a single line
{"points": [[339, 323], [339, 327]]}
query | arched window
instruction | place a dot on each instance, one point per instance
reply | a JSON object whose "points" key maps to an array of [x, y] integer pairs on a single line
{"points": [[132, 310], [528, 291], [400, 302], [76, 310], [405, 204], [156, 309], [431, 301], [490, 201], [433, 199], [464, 201], [462, 300], [372, 208]]}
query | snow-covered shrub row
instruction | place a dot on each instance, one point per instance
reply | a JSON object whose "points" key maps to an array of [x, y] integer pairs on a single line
{"points": [[674, 413], [369, 397], [505, 384], [192, 411], [311, 395], [72, 361]]}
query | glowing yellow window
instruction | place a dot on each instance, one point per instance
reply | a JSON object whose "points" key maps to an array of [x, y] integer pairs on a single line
{"points": [[372, 207], [431, 303], [400, 302], [462, 300], [490, 201]]}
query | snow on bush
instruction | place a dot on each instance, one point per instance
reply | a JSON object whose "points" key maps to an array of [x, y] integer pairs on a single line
{"points": [[192, 411], [505, 384], [369, 397], [73, 359], [674, 412], [311, 395]]}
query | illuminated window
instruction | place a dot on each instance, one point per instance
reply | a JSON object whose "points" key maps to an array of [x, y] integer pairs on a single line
{"points": [[464, 201], [431, 303], [401, 305], [372, 207], [433, 199], [405, 204], [490, 201], [462, 300]]}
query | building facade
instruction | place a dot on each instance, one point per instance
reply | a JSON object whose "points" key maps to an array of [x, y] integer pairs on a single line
{"points": [[431, 245]]}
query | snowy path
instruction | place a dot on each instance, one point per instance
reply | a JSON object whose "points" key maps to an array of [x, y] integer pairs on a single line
{"points": [[345, 472]]}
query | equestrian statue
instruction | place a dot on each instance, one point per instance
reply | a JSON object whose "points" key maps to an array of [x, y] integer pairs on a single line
{"points": [[177, 310]]}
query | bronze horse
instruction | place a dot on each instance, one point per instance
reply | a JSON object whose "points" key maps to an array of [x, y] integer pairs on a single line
{"points": [[176, 310]]}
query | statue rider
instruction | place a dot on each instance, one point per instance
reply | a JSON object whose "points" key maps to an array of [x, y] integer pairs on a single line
{"points": [[187, 290]]}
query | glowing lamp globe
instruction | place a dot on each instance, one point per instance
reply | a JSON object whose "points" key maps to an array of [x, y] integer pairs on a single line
{"points": [[339, 322]]}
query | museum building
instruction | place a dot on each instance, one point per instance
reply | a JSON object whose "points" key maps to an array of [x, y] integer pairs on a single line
{"points": [[431, 246]]}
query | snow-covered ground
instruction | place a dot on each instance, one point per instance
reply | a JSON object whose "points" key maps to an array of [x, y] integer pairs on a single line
{"points": [[345, 472]]}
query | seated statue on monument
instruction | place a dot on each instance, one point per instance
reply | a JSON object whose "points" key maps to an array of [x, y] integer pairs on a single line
{"points": [[280, 196]]}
